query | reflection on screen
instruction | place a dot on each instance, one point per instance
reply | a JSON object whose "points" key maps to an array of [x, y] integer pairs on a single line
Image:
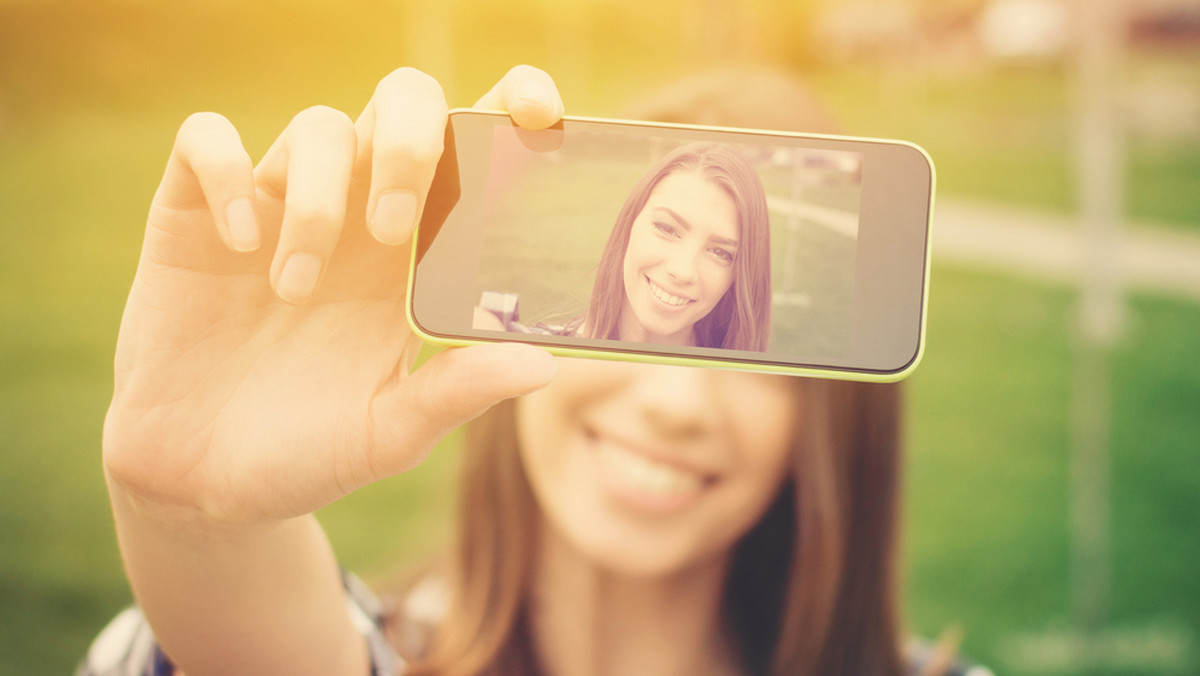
{"points": [[690, 265]]}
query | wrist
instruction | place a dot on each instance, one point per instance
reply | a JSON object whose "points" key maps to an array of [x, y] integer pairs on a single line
{"points": [[181, 517]]}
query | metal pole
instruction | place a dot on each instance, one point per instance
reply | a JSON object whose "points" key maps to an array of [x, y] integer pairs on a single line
{"points": [[1100, 171]]}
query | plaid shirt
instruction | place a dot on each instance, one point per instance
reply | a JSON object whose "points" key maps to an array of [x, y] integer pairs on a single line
{"points": [[127, 646]]}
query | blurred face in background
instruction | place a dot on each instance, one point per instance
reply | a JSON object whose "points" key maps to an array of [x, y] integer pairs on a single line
{"points": [[648, 470]]}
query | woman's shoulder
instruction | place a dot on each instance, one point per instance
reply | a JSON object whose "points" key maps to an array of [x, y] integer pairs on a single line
{"points": [[500, 311], [925, 658], [414, 614], [128, 647], [570, 329]]}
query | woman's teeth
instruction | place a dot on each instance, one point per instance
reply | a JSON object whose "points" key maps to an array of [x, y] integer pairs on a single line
{"points": [[644, 474], [665, 297]]}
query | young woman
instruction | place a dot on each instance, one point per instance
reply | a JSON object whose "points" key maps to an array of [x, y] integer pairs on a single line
{"points": [[658, 520], [618, 519], [687, 261]]}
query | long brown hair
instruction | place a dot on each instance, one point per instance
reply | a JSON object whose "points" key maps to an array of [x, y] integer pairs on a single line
{"points": [[741, 320], [813, 587]]}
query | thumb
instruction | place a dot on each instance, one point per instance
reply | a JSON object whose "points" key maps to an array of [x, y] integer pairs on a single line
{"points": [[451, 388]]}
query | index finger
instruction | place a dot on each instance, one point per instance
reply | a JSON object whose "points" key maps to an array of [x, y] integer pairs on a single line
{"points": [[209, 166]]}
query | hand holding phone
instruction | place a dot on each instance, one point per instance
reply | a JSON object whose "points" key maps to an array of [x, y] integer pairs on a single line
{"points": [[265, 333], [742, 249]]}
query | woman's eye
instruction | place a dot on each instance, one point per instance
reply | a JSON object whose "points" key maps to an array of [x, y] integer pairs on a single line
{"points": [[665, 229], [723, 255]]}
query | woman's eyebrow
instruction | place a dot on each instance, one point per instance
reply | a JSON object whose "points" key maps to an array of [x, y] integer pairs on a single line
{"points": [[724, 241], [675, 215], [716, 239]]}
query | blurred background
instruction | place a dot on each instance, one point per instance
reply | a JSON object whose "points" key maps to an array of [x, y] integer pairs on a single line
{"points": [[1053, 473]]}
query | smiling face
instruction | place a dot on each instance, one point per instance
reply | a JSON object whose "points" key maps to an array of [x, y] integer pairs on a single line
{"points": [[650, 469], [679, 260]]}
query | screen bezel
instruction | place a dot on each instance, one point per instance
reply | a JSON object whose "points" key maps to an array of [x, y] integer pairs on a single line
{"points": [[890, 275]]}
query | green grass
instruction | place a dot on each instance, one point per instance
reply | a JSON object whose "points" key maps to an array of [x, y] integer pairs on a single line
{"points": [[987, 470], [987, 461]]}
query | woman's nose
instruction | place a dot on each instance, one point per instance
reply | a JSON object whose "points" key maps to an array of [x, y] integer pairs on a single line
{"points": [[675, 401], [681, 265]]}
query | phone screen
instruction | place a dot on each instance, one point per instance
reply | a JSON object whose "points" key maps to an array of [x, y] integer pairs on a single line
{"points": [[777, 251]]}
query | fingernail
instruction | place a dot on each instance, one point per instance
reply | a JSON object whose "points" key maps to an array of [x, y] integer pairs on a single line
{"points": [[395, 216], [239, 217], [299, 276]]}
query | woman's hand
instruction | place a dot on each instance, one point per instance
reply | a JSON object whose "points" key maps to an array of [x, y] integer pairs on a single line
{"points": [[262, 368]]}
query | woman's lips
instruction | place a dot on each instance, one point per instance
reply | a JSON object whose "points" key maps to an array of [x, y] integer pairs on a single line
{"points": [[644, 481], [666, 297]]}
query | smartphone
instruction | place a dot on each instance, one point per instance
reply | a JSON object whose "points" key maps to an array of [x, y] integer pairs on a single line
{"points": [[732, 248]]}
